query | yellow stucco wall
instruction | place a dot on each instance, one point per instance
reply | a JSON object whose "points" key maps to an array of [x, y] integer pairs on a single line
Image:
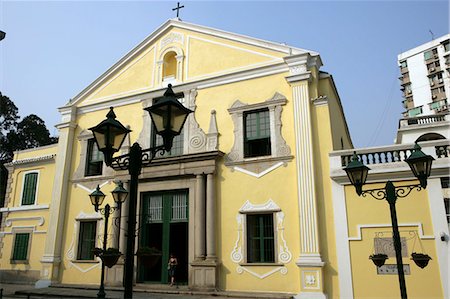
{"points": [[341, 136], [279, 185], [204, 56], [33, 218], [234, 188], [322, 146], [374, 217]]}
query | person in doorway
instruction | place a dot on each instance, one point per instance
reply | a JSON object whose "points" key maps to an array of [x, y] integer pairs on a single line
{"points": [[172, 266]]}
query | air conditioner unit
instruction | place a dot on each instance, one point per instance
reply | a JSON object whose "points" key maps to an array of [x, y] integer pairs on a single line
{"points": [[409, 91], [434, 96], [432, 69], [432, 83], [440, 81]]}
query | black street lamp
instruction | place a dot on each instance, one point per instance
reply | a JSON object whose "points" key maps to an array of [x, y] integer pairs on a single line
{"points": [[168, 117], [97, 197], [420, 165]]}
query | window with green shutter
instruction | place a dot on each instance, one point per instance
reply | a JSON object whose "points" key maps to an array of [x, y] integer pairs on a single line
{"points": [[20, 252], [257, 133], [260, 238], [86, 240], [29, 188]]}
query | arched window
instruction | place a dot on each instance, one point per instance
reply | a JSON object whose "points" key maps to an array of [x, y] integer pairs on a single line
{"points": [[170, 66], [430, 136]]}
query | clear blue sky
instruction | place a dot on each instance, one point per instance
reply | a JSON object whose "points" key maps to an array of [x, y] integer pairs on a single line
{"points": [[54, 49]]}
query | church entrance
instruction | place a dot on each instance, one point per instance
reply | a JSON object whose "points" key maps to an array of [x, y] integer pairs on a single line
{"points": [[164, 226]]}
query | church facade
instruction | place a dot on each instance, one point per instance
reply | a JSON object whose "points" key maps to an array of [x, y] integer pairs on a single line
{"points": [[244, 199]]}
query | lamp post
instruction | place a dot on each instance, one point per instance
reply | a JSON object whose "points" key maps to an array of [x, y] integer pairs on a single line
{"points": [[420, 165], [168, 117], [97, 198]]}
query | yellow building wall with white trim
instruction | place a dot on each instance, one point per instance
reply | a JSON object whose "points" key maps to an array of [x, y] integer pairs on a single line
{"points": [[203, 53], [369, 218], [30, 220]]}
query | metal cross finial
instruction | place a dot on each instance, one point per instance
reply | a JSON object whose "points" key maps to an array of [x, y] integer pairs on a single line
{"points": [[178, 8]]}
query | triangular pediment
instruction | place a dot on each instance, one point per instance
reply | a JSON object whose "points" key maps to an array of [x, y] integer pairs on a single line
{"points": [[201, 53]]}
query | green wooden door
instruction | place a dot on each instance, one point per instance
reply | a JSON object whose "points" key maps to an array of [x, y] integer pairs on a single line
{"points": [[164, 226]]}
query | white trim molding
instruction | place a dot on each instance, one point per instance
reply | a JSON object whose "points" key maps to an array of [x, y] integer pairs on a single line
{"points": [[280, 151], [284, 256], [358, 236], [32, 160], [273, 59], [282, 270], [25, 208], [342, 248], [40, 220]]}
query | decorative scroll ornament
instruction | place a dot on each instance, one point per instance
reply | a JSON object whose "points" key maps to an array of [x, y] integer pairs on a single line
{"points": [[280, 151], [284, 255], [236, 254], [400, 191], [172, 37]]}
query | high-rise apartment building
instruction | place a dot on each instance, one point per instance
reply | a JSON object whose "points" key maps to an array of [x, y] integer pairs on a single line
{"points": [[425, 78]]}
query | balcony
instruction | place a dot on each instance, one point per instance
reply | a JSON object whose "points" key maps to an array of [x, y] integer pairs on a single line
{"points": [[388, 161], [439, 106], [424, 120], [408, 103], [405, 79]]}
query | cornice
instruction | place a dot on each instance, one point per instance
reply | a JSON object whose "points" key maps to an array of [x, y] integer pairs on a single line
{"points": [[65, 125], [299, 77], [238, 76], [31, 160], [321, 100]]}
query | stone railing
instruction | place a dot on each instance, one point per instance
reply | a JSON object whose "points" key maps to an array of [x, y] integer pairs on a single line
{"points": [[424, 120], [390, 154], [378, 156]]}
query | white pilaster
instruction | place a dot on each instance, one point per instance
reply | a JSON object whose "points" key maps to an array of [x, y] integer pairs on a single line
{"points": [[199, 248], [210, 218], [440, 226], [309, 261], [52, 253], [309, 239], [342, 245]]}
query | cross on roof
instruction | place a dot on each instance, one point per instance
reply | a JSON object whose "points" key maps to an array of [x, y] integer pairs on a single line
{"points": [[178, 8]]}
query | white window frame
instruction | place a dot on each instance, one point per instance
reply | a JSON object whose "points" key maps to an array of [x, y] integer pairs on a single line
{"points": [[275, 238], [279, 148], [83, 218]]}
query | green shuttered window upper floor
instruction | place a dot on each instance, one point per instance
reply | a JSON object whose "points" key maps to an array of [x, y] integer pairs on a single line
{"points": [[29, 188]]}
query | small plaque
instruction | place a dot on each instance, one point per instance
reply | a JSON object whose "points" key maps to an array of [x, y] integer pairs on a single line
{"points": [[386, 246], [391, 269]]}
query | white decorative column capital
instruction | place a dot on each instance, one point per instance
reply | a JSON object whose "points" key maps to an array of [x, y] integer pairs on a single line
{"points": [[300, 66]]}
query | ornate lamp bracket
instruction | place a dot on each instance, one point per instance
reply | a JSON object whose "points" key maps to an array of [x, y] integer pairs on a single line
{"points": [[399, 192]]}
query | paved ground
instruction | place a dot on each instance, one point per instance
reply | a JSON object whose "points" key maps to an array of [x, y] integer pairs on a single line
{"points": [[161, 292]]}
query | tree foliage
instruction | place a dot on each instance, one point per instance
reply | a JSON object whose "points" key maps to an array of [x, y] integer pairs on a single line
{"points": [[8, 114], [15, 135]]}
